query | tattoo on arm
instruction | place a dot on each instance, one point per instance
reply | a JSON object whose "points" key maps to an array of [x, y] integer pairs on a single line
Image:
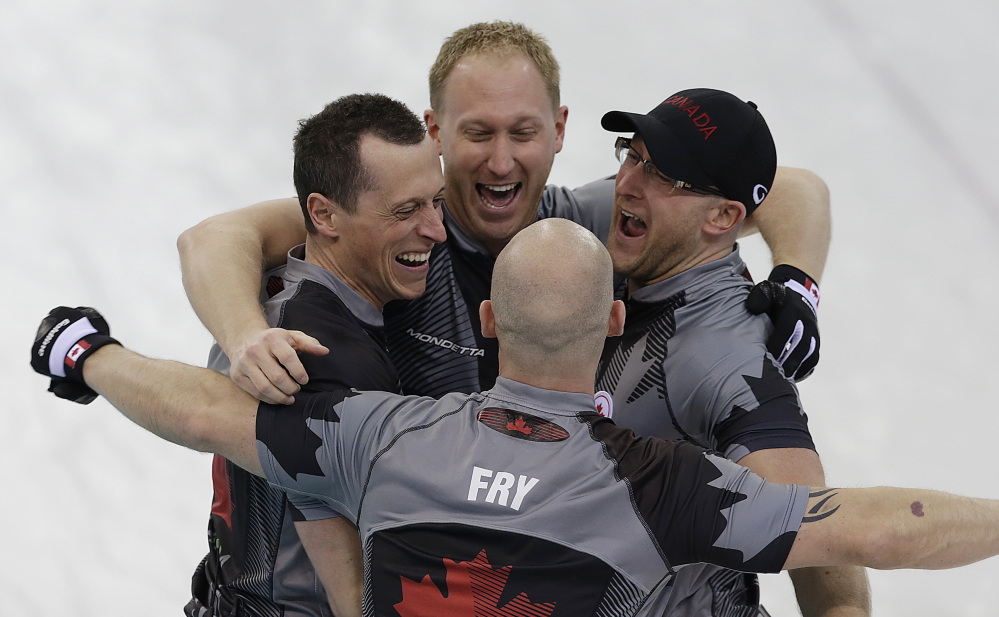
{"points": [[820, 510]]}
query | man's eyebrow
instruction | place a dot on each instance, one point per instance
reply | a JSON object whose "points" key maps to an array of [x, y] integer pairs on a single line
{"points": [[479, 122], [416, 199]]}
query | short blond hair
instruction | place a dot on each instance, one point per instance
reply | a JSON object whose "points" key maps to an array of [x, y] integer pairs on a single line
{"points": [[503, 38]]}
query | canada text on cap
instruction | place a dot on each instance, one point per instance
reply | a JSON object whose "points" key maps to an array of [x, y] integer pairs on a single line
{"points": [[708, 138]]}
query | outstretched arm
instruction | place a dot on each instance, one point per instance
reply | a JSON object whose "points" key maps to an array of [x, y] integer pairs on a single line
{"points": [[222, 261], [890, 528], [193, 407]]}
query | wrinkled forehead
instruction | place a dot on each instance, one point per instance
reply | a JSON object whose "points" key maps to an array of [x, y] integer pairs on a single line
{"points": [[401, 171]]}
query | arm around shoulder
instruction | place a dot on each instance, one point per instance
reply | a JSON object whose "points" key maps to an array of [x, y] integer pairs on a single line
{"points": [[223, 259], [795, 220]]}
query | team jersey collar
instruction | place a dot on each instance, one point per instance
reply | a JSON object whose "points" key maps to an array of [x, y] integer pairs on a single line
{"points": [[459, 238], [540, 399], [691, 280], [298, 269]]}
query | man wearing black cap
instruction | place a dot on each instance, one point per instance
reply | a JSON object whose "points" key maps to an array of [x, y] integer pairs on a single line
{"points": [[692, 363]]}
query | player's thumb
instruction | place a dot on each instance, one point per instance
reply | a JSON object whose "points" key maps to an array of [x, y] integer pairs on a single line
{"points": [[764, 296]]}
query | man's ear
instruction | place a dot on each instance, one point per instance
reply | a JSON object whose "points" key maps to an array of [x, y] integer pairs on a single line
{"points": [[433, 129], [615, 326], [323, 213], [487, 319], [723, 217], [560, 119]]}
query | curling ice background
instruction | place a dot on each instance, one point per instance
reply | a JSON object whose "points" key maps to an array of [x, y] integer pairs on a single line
{"points": [[122, 124]]}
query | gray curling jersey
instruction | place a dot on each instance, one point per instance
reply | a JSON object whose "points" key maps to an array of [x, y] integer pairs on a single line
{"points": [[519, 501], [692, 364]]}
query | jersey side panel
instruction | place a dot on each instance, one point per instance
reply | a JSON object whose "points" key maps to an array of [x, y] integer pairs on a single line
{"points": [[257, 560]]}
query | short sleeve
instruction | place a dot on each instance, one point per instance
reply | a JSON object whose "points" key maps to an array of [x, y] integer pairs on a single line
{"points": [[728, 515], [297, 448]]}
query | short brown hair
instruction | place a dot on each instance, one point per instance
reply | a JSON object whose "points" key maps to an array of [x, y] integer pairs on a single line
{"points": [[327, 147], [497, 37]]}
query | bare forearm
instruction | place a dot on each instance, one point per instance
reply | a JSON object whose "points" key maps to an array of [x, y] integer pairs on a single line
{"points": [[795, 221], [222, 262], [192, 407], [891, 528], [936, 530], [223, 285], [334, 548], [832, 591]]}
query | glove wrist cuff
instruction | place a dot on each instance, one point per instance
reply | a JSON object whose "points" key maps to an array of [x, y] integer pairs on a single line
{"points": [[797, 281], [80, 351]]}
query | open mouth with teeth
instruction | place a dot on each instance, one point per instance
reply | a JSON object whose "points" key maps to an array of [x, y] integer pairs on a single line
{"points": [[498, 196], [630, 225], [413, 260]]}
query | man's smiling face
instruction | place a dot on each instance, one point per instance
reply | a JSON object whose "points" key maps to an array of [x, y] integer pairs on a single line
{"points": [[384, 246], [498, 135]]}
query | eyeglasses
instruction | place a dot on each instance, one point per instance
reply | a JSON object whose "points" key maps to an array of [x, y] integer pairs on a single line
{"points": [[625, 155]]}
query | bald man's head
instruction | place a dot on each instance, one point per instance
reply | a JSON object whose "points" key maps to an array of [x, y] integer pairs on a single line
{"points": [[552, 291]]}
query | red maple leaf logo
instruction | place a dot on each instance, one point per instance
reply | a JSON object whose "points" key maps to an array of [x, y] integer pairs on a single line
{"points": [[519, 425], [473, 590]]}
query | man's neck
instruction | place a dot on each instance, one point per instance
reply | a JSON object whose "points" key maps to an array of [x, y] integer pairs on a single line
{"points": [[698, 260], [319, 254], [457, 230], [557, 385], [581, 380]]}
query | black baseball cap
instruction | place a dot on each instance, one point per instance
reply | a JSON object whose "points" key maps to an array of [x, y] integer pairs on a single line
{"points": [[708, 138]]}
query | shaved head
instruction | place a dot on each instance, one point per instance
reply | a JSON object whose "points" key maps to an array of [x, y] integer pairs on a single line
{"points": [[552, 291]]}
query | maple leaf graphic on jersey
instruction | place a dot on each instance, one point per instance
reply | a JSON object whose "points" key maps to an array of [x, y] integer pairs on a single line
{"points": [[473, 590], [519, 425]]}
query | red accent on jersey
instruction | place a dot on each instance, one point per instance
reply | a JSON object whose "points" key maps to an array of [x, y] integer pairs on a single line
{"points": [[604, 403], [519, 425], [473, 588], [222, 505], [275, 285], [522, 425]]}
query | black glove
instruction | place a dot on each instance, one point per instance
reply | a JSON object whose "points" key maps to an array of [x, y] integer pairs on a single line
{"points": [[791, 299], [65, 339]]}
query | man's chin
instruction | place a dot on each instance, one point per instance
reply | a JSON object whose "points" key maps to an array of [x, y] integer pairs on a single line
{"points": [[624, 251], [410, 292]]}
